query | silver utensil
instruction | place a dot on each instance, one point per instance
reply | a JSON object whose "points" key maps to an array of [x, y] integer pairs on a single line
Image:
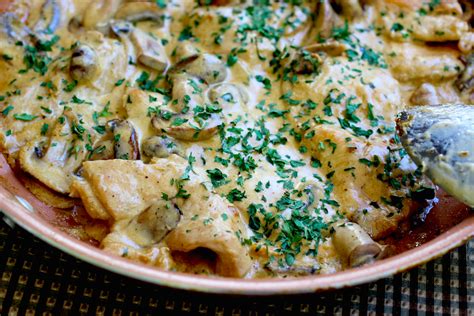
{"points": [[440, 139]]}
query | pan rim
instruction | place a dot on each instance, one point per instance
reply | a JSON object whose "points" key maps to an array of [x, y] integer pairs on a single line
{"points": [[45, 231]]}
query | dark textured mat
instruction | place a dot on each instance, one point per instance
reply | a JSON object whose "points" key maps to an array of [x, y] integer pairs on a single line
{"points": [[38, 279]]}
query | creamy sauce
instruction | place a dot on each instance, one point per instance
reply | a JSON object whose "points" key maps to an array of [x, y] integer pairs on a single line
{"points": [[262, 126]]}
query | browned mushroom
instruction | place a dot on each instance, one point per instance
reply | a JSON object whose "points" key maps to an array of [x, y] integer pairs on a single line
{"points": [[204, 66], [161, 147], [227, 94], [187, 131], [52, 161], [306, 63], [181, 121], [84, 64], [465, 82], [354, 245], [184, 51], [326, 19], [150, 52], [125, 140], [330, 47], [153, 224]]}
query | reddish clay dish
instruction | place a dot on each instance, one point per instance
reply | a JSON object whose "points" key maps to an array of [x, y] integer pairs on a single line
{"points": [[24, 209]]}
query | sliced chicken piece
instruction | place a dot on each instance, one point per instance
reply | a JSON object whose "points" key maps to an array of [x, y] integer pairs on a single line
{"points": [[54, 161], [204, 66], [438, 21], [356, 165], [409, 62], [121, 191], [214, 224], [137, 11]]}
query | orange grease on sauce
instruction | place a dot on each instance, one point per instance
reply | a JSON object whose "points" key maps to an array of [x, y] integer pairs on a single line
{"points": [[445, 213]]}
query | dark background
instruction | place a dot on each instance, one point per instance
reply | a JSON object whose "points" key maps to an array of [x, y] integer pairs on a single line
{"points": [[38, 279]]}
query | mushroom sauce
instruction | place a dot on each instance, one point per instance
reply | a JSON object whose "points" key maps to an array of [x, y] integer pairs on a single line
{"points": [[242, 138]]}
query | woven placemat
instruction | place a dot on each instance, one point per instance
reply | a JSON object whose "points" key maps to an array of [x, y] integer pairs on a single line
{"points": [[37, 279]]}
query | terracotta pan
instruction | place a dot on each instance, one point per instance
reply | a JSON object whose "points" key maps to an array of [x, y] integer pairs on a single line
{"points": [[35, 224]]}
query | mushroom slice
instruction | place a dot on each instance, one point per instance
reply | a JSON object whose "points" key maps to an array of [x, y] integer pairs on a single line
{"points": [[187, 91], [153, 224], [125, 140], [330, 47], [188, 131], [139, 11], [354, 245], [204, 66], [161, 147], [84, 64], [325, 21], [185, 122], [465, 82], [184, 51], [188, 121], [227, 94], [306, 63], [52, 161], [193, 133], [50, 17], [150, 52]]}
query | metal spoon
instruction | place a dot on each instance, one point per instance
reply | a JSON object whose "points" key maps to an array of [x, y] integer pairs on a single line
{"points": [[440, 139]]}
